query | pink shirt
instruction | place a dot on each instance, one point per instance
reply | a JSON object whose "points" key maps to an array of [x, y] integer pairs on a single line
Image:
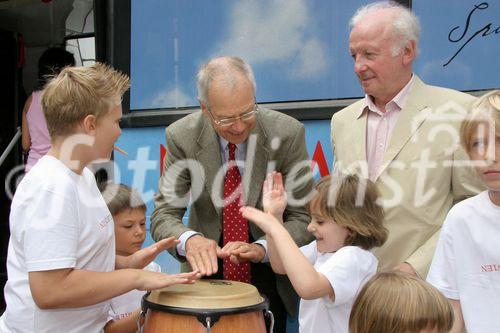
{"points": [[379, 128], [39, 134]]}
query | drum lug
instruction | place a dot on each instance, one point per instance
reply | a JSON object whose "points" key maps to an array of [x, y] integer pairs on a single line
{"points": [[142, 315], [271, 319], [209, 326], [208, 321]]}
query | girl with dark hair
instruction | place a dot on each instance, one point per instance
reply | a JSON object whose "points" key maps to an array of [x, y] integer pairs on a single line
{"points": [[35, 136]]}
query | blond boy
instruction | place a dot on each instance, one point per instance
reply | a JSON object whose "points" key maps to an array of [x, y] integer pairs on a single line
{"points": [[466, 265], [61, 260]]}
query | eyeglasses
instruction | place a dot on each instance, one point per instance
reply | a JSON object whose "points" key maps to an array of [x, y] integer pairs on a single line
{"points": [[225, 122]]}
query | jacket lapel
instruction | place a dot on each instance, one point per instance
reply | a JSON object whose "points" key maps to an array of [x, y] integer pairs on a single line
{"points": [[209, 156], [256, 163], [408, 122], [353, 145]]}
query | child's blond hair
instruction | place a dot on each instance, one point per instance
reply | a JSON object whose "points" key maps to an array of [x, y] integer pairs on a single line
{"points": [[351, 203], [399, 302], [120, 197], [484, 112], [77, 92]]}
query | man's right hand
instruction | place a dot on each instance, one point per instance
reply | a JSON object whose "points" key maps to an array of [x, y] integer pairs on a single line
{"points": [[201, 253]]}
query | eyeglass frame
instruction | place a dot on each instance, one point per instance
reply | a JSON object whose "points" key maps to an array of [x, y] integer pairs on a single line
{"points": [[232, 120]]}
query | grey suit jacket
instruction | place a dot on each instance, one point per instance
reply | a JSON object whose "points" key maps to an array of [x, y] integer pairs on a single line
{"points": [[423, 172], [277, 142]]}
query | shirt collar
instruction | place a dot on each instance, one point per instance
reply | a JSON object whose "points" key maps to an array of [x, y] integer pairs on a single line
{"points": [[223, 145], [400, 99]]}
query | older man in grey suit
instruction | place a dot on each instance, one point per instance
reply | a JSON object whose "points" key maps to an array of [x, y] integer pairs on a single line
{"points": [[202, 151], [403, 135]]}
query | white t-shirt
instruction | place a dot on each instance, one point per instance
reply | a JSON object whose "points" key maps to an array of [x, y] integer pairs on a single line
{"points": [[58, 220], [122, 306], [466, 264], [348, 270]]}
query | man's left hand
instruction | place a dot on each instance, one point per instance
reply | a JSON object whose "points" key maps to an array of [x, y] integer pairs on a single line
{"points": [[242, 252], [407, 268]]}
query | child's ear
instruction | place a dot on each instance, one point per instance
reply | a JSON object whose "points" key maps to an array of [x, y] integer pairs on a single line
{"points": [[351, 236], [89, 124]]}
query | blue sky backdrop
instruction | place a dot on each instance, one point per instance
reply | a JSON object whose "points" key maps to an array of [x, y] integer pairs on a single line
{"points": [[297, 48]]}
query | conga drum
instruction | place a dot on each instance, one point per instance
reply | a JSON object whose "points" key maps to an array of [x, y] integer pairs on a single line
{"points": [[216, 306]]}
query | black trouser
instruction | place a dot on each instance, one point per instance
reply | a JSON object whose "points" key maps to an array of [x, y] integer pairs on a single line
{"points": [[264, 279]]}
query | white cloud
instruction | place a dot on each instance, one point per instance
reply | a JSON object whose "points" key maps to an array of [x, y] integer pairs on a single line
{"points": [[274, 30], [312, 59], [172, 98]]}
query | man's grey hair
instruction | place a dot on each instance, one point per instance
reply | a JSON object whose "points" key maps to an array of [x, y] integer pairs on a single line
{"points": [[406, 26], [224, 68]]}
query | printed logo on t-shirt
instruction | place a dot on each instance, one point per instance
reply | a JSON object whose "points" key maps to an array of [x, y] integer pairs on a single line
{"points": [[122, 315], [105, 221], [490, 268]]}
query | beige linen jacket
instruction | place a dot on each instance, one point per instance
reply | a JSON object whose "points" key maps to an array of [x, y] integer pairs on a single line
{"points": [[423, 173]]}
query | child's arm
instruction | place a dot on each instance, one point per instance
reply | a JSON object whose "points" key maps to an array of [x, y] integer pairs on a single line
{"points": [[307, 282], [458, 322], [25, 133], [274, 258], [70, 288], [274, 202], [123, 325], [143, 257]]}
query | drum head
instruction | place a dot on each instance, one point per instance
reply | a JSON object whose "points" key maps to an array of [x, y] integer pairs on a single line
{"points": [[206, 294]]}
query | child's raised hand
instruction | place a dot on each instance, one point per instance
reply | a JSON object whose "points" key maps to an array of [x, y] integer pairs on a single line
{"points": [[155, 280], [265, 221], [143, 257], [273, 195]]}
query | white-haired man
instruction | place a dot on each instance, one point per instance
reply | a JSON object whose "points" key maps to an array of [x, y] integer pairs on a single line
{"points": [[403, 135]]}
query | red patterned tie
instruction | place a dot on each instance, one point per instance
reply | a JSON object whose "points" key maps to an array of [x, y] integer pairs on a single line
{"points": [[234, 226]]}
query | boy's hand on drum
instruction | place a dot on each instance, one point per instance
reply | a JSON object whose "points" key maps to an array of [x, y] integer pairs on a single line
{"points": [[274, 196], [143, 257], [242, 252], [201, 253], [153, 280]]}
